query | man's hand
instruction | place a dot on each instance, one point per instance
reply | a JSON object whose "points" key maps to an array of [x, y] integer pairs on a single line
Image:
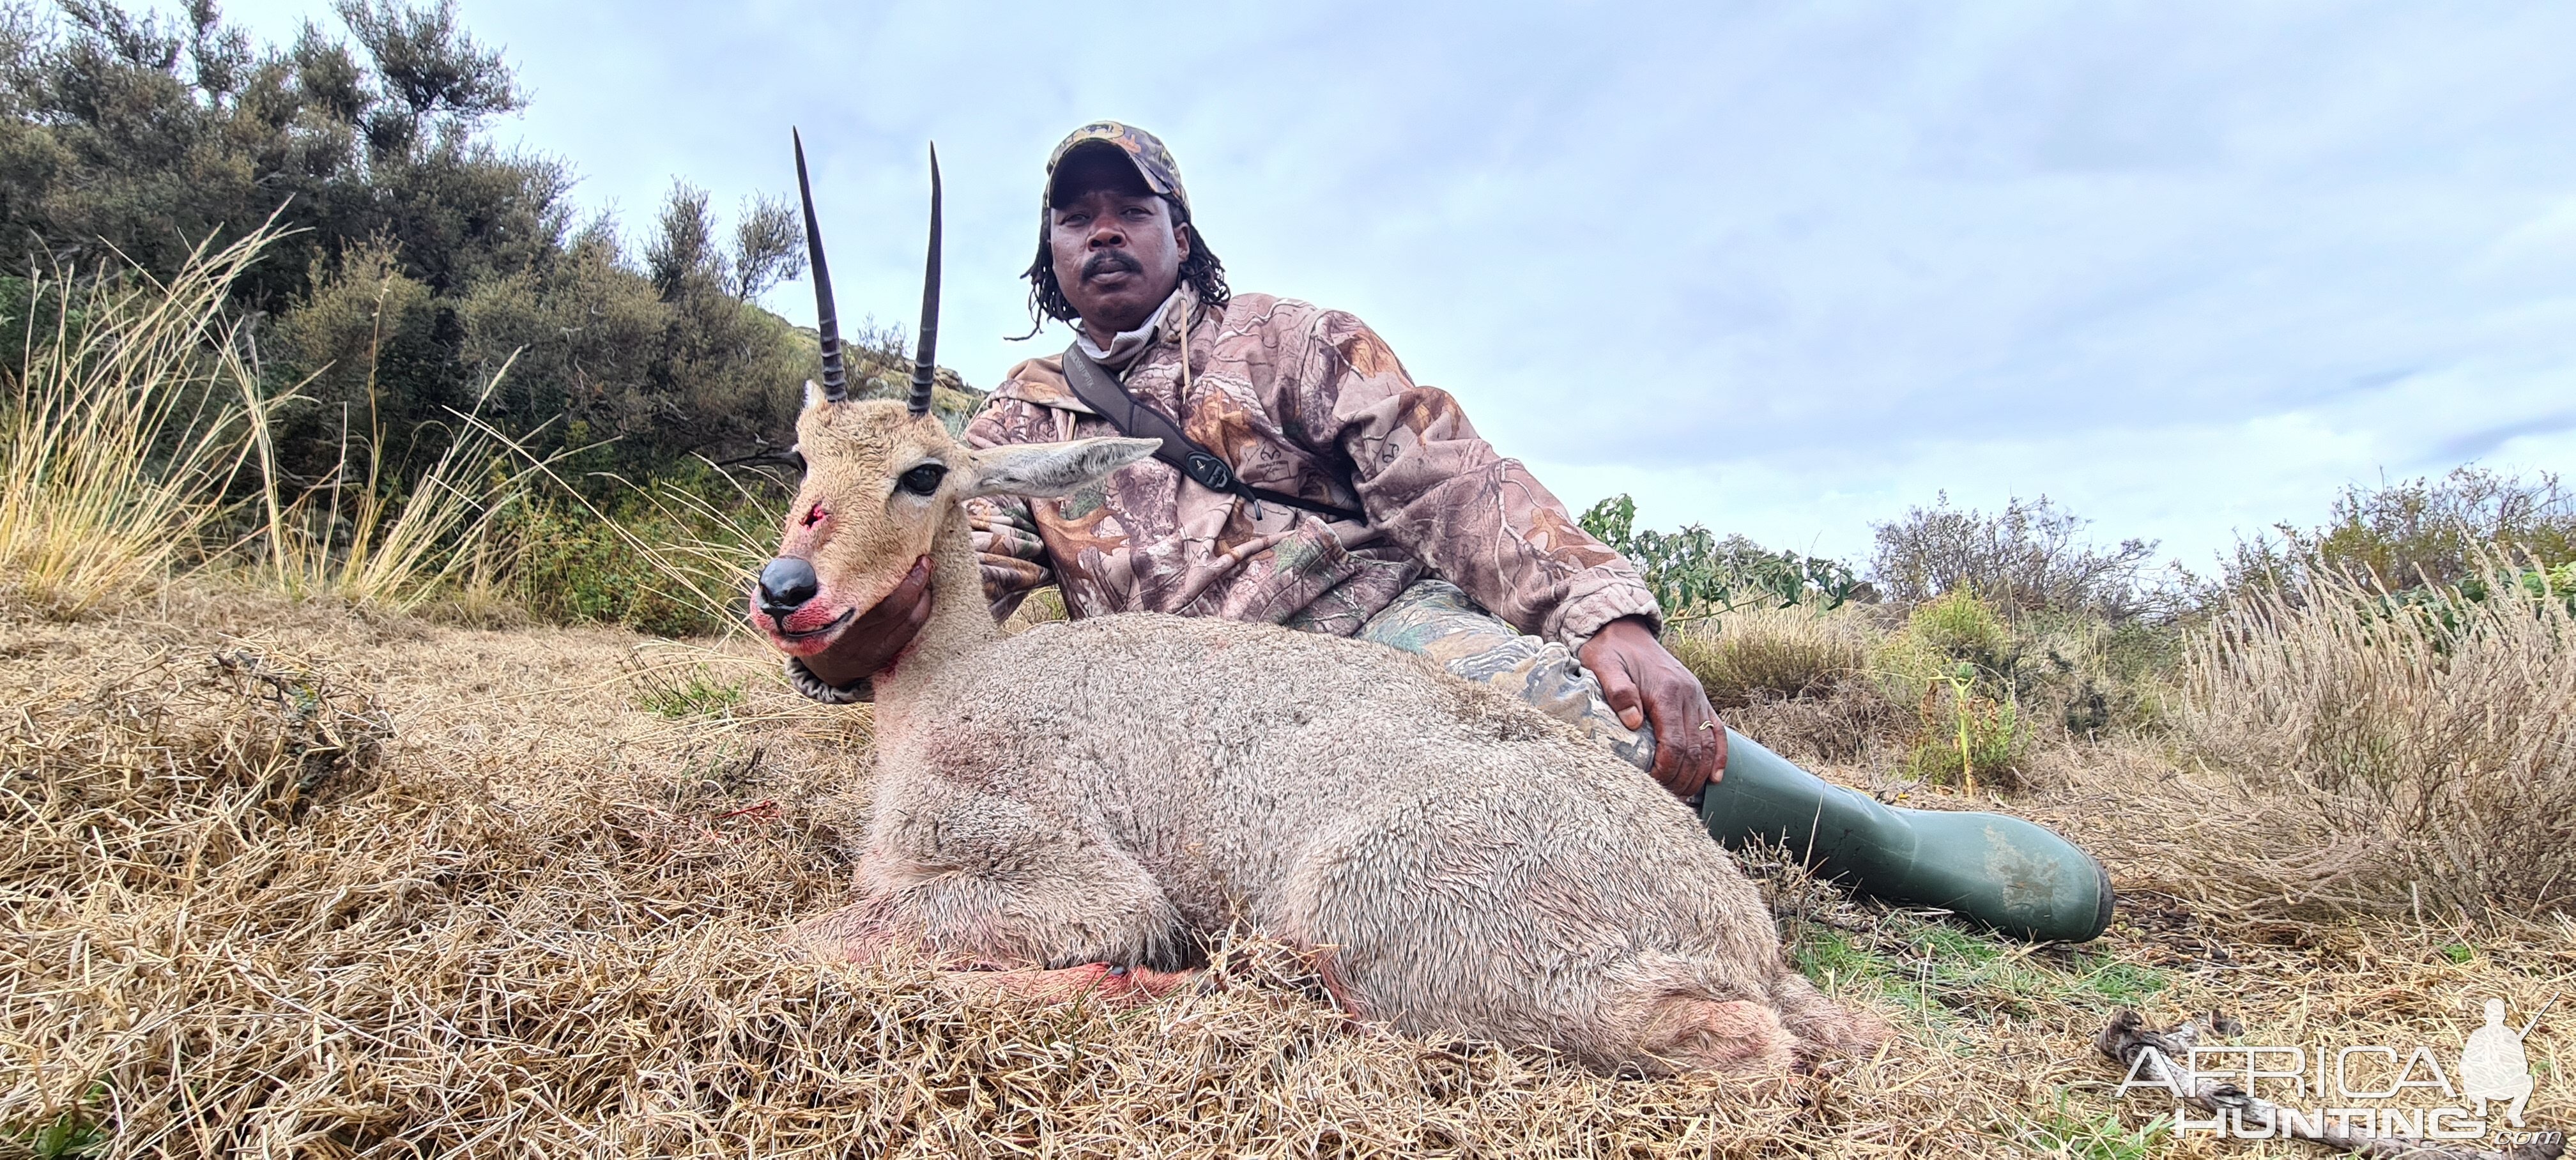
{"points": [[880, 634], [1643, 683]]}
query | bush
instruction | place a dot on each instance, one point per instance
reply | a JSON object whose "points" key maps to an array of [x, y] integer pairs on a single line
{"points": [[1969, 739], [2026, 558], [1959, 663], [1959, 628], [1693, 573], [2095, 678], [573, 569], [672, 558], [412, 255], [2423, 531], [2403, 755]]}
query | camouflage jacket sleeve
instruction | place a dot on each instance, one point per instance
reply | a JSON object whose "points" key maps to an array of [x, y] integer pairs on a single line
{"points": [[1430, 483], [1012, 558]]}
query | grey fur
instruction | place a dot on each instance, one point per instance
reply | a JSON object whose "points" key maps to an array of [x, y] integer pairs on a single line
{"points": [[1119, 788], [1046, 470]]}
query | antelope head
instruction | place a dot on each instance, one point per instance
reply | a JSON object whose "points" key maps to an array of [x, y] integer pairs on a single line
{"points": [[883, 479]]}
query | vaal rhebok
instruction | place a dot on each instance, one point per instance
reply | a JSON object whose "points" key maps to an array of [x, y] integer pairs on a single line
{"points": [[1116, 790]]}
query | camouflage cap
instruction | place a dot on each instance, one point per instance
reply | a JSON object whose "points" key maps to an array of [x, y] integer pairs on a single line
{"points": [[1144, 150]]}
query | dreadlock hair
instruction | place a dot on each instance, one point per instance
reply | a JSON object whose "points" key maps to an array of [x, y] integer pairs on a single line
{"points": [[1202, 270]]}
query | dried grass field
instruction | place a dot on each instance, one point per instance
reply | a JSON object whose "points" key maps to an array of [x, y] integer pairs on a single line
{"points": [[290, 879], [296, 860]]}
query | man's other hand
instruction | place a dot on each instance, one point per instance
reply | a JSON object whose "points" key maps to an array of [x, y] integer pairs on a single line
{"points": [[880, 634], [1642, 682]]}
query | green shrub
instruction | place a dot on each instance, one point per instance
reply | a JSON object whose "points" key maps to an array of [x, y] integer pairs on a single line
{"points": [[2424, 532], [2072, 670], [1693, 573], [1960, 627], [1961, 664], [673, 558], [2450, 610], [2025, 558], [2093, 677], [1968, 738]]}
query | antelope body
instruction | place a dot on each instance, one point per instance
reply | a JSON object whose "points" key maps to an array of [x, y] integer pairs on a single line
{"points": [[1120, 789]]}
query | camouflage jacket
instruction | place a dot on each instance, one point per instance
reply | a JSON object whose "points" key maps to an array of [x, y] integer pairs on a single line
{"points": [[1308, 402]]}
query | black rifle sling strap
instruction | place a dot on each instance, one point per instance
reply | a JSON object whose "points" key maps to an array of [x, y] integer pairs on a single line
{"points": [[1106, 396]]}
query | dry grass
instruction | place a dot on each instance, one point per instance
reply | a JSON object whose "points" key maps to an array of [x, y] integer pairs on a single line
{"points": [[2403, 763], [1855, 723], [1748, 654], [137, 413], [397, 887], [131, 414], [356, 540]]}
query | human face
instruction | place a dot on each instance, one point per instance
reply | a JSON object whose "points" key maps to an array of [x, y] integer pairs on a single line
{"points": [[1116, 251]]}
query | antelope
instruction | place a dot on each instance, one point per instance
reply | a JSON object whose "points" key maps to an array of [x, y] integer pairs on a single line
{"points": [[1091, 802]]}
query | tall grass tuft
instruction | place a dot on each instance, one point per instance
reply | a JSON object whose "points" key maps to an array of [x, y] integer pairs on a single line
{"points": [[124, 427], [365, 542], [1742, 654], [674, 557], [2406, 756]]}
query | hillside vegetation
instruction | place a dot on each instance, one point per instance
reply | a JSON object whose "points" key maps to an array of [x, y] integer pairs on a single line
{"points": [[412, 257], [404, 263]]}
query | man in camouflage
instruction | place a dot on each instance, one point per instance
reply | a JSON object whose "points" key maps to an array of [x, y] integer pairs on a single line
{"points": [[1462, 557]]}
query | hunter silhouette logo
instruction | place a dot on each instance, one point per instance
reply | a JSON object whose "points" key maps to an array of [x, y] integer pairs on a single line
{"points": [[2333, 1094], [2493, 1066]]}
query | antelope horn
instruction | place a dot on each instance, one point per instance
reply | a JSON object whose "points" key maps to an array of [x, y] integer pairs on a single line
{"points": [[826, 322], [925, 358]]}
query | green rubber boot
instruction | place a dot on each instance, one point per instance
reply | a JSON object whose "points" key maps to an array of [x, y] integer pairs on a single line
{"points": [[2015, 876]]}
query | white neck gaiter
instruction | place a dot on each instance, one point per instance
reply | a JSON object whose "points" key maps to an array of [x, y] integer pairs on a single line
{"points": [[1123, 349]]}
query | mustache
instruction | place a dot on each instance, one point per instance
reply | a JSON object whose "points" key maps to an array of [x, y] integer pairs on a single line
{"points": [[1108, 261]]}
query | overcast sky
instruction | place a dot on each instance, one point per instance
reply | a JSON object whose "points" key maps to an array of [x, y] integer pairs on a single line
{"points": [[1783, 269]]}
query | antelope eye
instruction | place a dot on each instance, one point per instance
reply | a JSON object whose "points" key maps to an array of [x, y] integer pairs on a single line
{"points": [[924, 479]]}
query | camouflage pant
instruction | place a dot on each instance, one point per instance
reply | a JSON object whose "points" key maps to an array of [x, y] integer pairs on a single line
{"points": [[1437, 620]]}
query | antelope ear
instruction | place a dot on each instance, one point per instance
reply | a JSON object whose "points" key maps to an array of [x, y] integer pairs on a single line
{"points": [[1046, 470], [813, 395]]}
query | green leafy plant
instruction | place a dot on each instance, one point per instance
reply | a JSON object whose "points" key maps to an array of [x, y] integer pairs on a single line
{"points": [[81, 1130], [2450, 609], [1968, 735], [1694, 573], [1963, 658]]}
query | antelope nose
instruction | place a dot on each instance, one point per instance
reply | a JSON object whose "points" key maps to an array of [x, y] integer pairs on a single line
{"points": [[786, 583]]}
